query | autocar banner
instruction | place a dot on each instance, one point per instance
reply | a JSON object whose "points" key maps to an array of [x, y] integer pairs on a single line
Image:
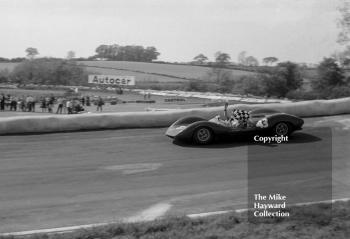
{"points": [[111, 80]]}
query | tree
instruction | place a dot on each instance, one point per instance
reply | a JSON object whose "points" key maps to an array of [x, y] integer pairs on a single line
{"points": [[344, 22], [4, 75], [291, 73], [329, 75], [2, 59], [151, 54], [18, 59], [49, 71], [222, 59], [70, 55], [127, 53], [274, 85], [251, 84], [200, 59], [31, 52], [245, 60], [102, 51], [226, 83], [242, 58], [346, 62], [277, 82], [270, 60], [342, 56], [251, 61]]}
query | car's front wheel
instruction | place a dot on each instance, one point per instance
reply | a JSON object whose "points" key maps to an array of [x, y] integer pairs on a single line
{"points": [[203, 135], [282, 129]]}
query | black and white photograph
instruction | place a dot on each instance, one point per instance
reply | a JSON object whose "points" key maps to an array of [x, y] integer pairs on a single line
{"points": [[175, 119]]}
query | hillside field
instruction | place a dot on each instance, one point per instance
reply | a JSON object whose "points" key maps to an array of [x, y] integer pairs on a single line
{"points": [[178, 71], [148, 75], [145, 72]]}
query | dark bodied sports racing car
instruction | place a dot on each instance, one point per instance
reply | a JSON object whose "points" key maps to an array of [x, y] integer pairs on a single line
{"points": [[202, 131]]}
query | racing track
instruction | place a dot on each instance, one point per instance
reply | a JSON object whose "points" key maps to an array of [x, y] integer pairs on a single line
{"points": [[65, 179]]}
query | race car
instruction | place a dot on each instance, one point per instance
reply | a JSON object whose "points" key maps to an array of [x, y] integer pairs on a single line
{"points": [[202, 131]]}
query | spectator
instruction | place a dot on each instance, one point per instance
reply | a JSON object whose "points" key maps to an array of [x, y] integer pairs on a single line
{"points": [[43, 104], [88, 101], [33, 104], [47, 100], [64, 103], [19, 103], [100, 103], [59, 106], [51, 103], [29, 103], [23, 104], [13, 104], [77, 108], [83, 101], [2, 102], [69, 106], [8, 101]]}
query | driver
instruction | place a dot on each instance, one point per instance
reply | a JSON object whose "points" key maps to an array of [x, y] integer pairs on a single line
{"points": [[239, 118]]}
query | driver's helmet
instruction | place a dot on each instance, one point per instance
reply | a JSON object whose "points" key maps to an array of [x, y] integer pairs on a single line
{"points": [[241, 115]]}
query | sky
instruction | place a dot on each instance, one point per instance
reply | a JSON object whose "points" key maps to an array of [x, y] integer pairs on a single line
{"points": [[295, 30]]}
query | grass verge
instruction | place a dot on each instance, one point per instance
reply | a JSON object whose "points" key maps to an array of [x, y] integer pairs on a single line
{"points": [[310, 221]]}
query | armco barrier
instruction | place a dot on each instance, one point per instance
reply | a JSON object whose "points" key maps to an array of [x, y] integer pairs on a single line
{"points": [[92, 121], [57, 123]]}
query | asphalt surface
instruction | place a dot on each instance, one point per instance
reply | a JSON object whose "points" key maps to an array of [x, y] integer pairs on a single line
{"points": [[65, 179]]}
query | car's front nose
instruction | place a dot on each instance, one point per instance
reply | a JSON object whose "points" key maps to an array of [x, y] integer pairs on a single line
{"points": [[174, 130]]}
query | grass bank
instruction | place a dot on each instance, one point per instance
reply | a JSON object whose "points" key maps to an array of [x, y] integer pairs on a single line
{"points": [[311, 221]]}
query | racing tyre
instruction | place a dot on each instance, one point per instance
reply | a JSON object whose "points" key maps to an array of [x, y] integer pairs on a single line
{"points": [[203, 135], [282, 129]]}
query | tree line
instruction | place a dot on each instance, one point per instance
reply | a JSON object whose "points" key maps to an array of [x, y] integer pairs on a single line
{"points": [[286, 79], [283, 80], [112, 52], [126, 53], [46, 71], [224, 59]]}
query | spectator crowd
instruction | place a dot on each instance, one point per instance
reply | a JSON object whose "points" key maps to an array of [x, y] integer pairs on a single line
{"points": [[29, 103]]}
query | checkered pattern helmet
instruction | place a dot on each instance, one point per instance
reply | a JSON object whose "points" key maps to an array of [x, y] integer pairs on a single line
{"points": [[241, 115]]}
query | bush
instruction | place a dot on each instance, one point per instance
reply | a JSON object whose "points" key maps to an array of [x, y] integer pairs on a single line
{"points": [[196, 85], [329, 75], [251, 85], [226, 85], [291, 73], [338, 92], [4, 76], [274, 85], [264, 84], [155, 87], [49, 71]]}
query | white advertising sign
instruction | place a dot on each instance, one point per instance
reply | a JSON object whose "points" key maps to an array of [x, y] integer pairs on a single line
{"points": [[111, 80]]}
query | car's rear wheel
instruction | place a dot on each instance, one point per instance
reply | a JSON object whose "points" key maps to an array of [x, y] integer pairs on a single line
{"points": [[203, 135], [282, 129]]}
